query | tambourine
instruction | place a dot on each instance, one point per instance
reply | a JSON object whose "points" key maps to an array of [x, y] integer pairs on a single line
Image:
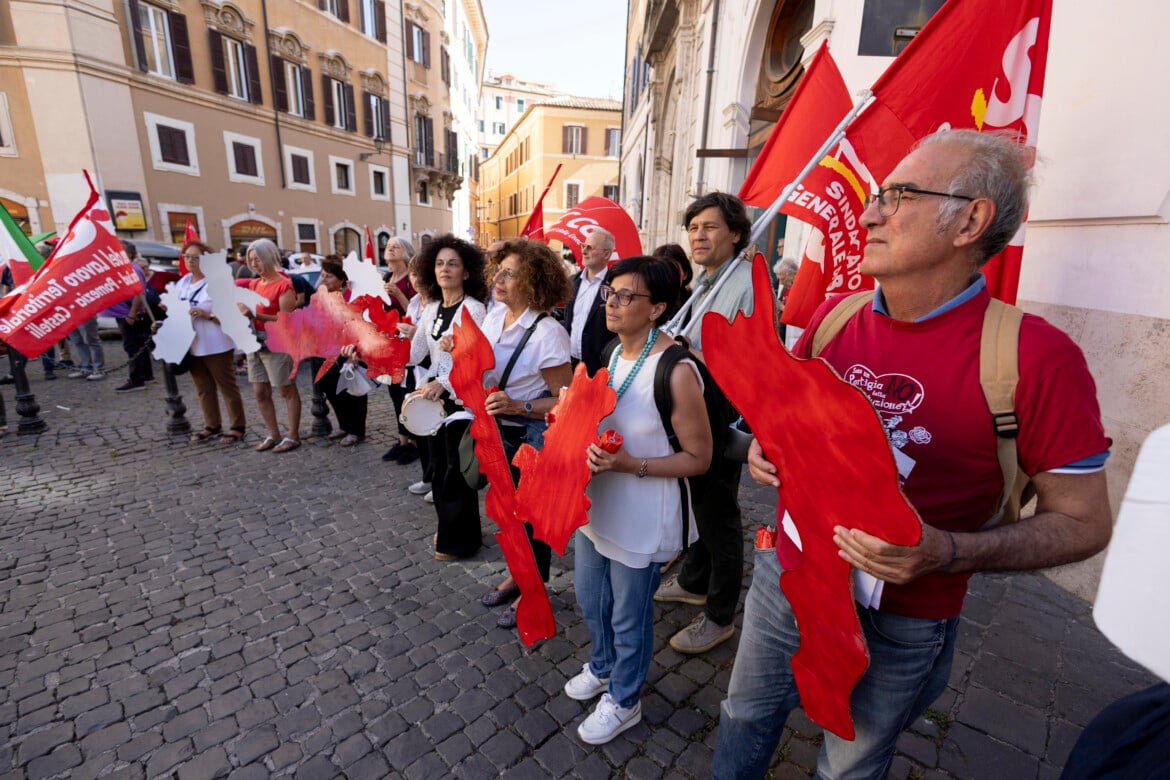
{"points": [[422, 416]]}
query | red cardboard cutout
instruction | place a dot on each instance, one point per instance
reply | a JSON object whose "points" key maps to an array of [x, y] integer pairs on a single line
{"points": [[551, 495], [472, 356], [835, 467]]}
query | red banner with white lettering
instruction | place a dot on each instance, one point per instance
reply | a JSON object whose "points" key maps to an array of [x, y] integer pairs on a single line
{"points": [[578, 222], [976, 64], [87, 272]]}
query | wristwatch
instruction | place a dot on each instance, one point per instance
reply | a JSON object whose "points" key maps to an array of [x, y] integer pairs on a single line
{"points": [[527, 408]]}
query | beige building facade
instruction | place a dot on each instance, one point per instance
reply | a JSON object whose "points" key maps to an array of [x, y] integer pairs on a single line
{"points": [[505, 99], [707, 80], [249, 119], [581, 134]]}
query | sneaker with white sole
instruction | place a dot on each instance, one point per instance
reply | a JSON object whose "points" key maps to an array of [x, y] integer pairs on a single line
{"points": [[671, 590], [701, 635], [586, 685], [429, 497], [77, 374], [95, 376], [607, 720], [420, 488]]}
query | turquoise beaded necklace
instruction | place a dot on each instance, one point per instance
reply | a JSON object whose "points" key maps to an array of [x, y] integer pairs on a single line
{"points": [[613, 361]]}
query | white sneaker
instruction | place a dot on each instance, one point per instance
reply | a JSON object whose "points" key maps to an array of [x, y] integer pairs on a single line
{"points": [[420, 488], [586, 685], [429, 497], [608, 720], [95, 376], [77, 374]]}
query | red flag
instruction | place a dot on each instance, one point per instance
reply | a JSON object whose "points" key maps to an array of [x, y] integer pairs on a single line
{"points": [[534, 227], [976, 65], [578, 222], [189, 235], [808, 288], [369, 250], [819, 103], [87, 272]]}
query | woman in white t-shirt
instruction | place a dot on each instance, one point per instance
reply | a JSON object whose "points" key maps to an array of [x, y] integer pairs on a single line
{"points": [[636, 514], [527, 282]]}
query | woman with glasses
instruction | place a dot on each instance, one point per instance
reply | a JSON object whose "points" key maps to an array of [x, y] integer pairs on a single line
{"points": [[212, 365], [636, 517], [398, 255], [271, 369], [527, 282], [450, 277]]}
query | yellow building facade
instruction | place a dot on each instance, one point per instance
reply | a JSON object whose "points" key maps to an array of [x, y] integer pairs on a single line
{"points": [[583, 135]]}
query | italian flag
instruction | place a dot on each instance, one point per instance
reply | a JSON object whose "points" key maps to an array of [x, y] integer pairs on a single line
{"points": [[16, 251]]}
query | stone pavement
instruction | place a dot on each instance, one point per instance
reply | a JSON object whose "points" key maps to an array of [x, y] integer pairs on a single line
{"points": [[196, 611]]}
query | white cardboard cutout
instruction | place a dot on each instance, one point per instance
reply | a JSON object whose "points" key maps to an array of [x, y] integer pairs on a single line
{"points": [[365, 279], [1134, 596], [176, 332], [224, 293]]}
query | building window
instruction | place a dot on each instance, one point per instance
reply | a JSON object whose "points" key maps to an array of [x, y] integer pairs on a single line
{"points": [[294, 93], [338, 8], [172, 144], [7, 138], [245, 164], [299, 163], [424, 141], [424, 193], [161, 42], [520, 106], [379, 183], [377, 116], [373, 18], [444, 66], [418, 45], [610, 191], [499, 103], [347, 240], [573, 139], [572, 194], [480, 123], [339, 107], [342, 180], [234, 68], [887, 27], [306, 235], [499, 128], [613, 142]]}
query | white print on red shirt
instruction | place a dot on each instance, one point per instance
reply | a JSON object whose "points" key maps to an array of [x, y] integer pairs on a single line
{"points": [[894, 396]]}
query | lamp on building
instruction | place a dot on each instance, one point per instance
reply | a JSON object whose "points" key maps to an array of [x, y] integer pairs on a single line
{"points": [[378, 147]]}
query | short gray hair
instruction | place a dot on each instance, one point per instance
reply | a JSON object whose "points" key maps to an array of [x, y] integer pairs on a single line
{"points": [[998, 168], [407, 247], [606, 236], [266, 253]]}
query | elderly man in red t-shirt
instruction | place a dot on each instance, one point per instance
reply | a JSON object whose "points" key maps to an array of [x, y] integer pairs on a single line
{"points": [[950, 205]]}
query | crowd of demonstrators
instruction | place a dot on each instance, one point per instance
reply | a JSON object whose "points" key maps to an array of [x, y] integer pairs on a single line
{"points": [[584, 313], [926, 243], [398, 254], [267, 369], [450, 276], [617, 562], [711, 574], [351, 409], [531, 366], [212, 362]]}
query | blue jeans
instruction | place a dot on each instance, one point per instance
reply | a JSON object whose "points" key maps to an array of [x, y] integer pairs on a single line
{"points": [[910, 662], [88, 345], [617, 603]]}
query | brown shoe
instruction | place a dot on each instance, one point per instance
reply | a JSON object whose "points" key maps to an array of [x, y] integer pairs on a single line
{"points": [[439, 556]]}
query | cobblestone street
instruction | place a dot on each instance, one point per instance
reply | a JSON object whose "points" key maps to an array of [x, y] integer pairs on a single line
{"points": [[184, 610]]}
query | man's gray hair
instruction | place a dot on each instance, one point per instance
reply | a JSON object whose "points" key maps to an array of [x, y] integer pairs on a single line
{"points": [[998, 168], [606, 237]]}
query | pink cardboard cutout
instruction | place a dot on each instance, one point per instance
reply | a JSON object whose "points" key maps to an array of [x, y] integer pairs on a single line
{"points": [[835, 468]]}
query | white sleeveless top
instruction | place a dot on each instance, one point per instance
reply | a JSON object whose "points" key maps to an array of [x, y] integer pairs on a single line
{"points": [[633, 521]]}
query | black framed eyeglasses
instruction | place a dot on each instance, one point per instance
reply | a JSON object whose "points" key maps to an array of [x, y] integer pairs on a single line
{"points": [[624, 297], [890, 198]]}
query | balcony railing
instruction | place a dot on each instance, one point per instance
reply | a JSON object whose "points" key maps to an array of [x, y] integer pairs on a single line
{"points": [[437, 160]]}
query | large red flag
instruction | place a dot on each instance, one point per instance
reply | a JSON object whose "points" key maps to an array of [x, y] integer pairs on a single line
{"points": [[578, 222], [534, 227], [976, 64], [87, 272], [819, 103], [368, 251], [189, 235]]}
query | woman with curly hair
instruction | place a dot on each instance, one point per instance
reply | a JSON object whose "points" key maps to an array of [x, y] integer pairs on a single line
{"points": [[450, 277], [528, 280]]}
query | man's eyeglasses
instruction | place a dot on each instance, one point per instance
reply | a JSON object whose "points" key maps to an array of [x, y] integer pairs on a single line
{"points": [[624, 297], [890, 198]]}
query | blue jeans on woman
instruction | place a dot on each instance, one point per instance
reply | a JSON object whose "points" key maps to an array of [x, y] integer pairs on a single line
{"points": [[910, 663], [617, 603]]}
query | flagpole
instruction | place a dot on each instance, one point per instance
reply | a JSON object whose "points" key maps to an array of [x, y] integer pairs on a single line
{"points": [[762, 222]]}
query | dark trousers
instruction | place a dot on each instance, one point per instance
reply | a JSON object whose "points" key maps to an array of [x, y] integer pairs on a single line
{"points": [[456, 504], [134, 337], [397, 397], [351, 410], [512, 437], [714, 564]]}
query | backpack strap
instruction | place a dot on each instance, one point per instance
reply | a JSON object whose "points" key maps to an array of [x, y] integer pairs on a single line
{"points": [[835, 320], [520, 348], [999, 373], [666, 363]]}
